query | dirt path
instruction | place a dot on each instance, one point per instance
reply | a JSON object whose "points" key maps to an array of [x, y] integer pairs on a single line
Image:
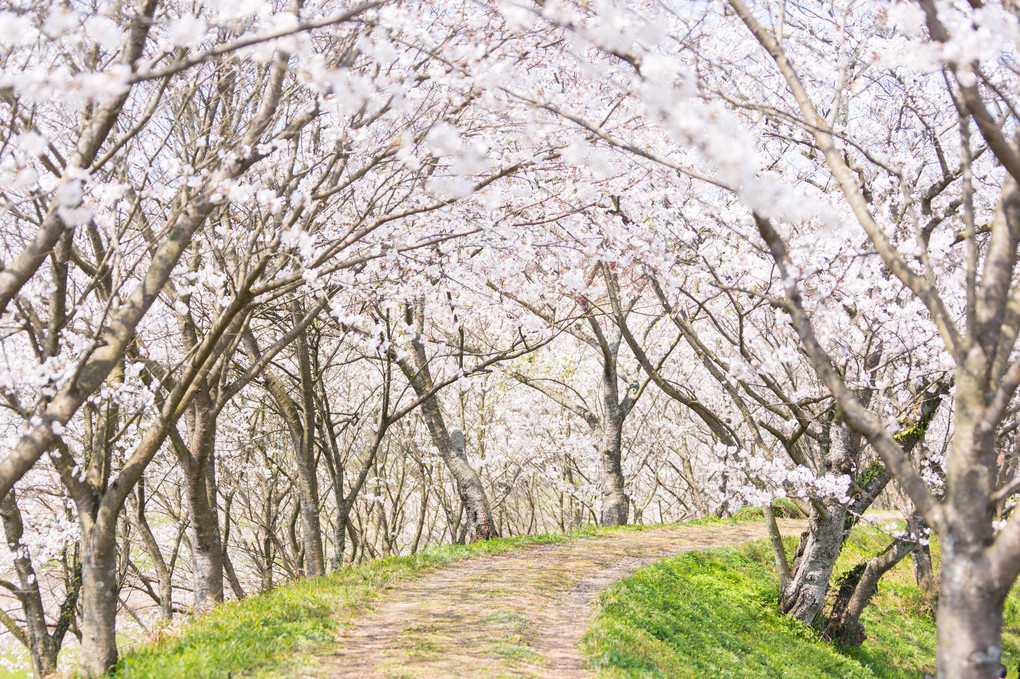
{"points": [[520, 614]]}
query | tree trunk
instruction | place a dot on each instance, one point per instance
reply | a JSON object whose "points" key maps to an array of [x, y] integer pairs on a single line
{"points": [[969, 617], [804, 598], [198, 461], [614, 497], [924, 572], [206, 547], [778, 549], [970, 600], [41, 647], [300, 419], [451, 448], [308, 484], [845, 621], [235, 584], [828, 527], [339, 535], [610, 446], [228, 566], [151, 547], [334, 465], [469, 484], [607, 427], [99, 600]]}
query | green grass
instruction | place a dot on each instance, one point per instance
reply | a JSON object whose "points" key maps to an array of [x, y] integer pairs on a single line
{"points": [[266, 634], [714, 614]]}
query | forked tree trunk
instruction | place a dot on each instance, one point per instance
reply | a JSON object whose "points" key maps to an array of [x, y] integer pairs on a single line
{"points": [[308, 484], [610, 426], [334, 465], [98, 542], [805, 596], [607, 427], [845, 621], [345, 505]]}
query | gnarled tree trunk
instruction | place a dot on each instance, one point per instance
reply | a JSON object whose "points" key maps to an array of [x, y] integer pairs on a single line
{"points": [[805, 596], [845, 620]]}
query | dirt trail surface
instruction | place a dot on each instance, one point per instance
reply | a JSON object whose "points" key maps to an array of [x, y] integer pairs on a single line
{"points": [[520, 614]]}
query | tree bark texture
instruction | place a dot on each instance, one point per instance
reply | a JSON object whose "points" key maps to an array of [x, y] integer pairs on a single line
{"points": [[969, 618], [610, 428], [805, 596], [972, 595], [99, 601], [614, 496]]}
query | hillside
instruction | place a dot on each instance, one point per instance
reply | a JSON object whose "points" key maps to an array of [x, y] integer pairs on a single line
{"points": [[514, 606]]}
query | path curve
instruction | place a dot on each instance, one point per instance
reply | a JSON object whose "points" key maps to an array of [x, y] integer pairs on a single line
{"points": [[520, 614]]}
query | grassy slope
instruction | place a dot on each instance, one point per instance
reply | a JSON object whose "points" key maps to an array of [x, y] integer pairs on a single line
{"points": [[264, 633], [713, 614]]}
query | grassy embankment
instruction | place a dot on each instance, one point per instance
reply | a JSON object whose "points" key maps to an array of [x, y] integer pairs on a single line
{"points": [[714, 614], [269, 633]]}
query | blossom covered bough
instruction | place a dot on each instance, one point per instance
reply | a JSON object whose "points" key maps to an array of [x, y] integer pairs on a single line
{"points": [[289, 284]]}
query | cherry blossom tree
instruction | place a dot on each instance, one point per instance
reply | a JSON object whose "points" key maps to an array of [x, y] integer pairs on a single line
{"points": [[288, 285], [904, 190]]}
